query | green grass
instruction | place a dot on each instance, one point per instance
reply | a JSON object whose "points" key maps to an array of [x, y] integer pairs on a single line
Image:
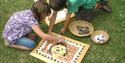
{"points": [[111, 52]]}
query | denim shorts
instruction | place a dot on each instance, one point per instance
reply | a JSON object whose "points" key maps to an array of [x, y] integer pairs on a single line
{"points": [[23, 41], [27, 42]]}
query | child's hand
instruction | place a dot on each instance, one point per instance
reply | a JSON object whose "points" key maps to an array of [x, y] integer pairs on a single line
{"points": [[62, 31], [50, 38], [60, 39]]}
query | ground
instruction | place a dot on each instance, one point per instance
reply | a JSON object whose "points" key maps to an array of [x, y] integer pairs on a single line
{"points": [[111, 52]]}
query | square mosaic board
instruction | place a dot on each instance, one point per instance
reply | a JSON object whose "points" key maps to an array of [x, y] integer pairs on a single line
{"points": [[75, 51], [61, 16]]}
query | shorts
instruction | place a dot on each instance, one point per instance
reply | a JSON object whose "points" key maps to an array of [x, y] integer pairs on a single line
{"points": [[84, 14], [23, 41]]}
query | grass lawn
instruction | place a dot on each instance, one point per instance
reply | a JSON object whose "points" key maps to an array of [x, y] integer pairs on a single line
{"points": [[111, 52]]}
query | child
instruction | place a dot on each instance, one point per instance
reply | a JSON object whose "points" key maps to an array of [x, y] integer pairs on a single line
{"points": [[82, 8], [21, 23]]}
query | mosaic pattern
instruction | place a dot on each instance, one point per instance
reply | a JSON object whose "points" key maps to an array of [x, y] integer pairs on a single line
{"points": [[75, 52]]}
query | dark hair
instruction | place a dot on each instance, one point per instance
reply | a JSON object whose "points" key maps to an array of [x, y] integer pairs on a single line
{"points": [[57, 4], [39, 8]]}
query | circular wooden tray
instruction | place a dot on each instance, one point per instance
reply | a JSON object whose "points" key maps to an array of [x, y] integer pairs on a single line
{"points": [[81, 28], [58, 50], [100, 36]]}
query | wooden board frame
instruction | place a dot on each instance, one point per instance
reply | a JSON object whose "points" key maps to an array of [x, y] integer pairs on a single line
{"points": [[82, 53]]}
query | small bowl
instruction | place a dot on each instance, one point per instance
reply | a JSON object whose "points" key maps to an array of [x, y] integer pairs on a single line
{"points": [[100, 37], [81, 28]]}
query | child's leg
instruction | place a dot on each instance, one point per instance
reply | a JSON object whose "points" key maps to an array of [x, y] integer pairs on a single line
{"points": [[24, 41], [84, 14], [20, 47]]}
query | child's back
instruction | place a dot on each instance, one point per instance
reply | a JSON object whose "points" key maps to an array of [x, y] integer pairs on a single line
{"points": [[18, 25]]}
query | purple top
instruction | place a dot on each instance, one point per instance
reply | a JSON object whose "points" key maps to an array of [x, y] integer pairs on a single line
{"points": [[19, 25]]}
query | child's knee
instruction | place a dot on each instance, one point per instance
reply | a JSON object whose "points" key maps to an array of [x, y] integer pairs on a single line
{"points": [[31, 45]]}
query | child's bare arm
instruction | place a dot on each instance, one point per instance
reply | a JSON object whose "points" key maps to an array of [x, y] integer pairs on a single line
{"points": [[38, 31], [41, 34], [52, 21]]}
